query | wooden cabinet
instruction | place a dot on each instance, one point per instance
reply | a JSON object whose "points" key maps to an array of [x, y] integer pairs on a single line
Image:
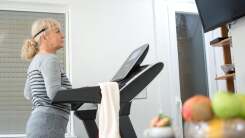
{"points": [[225, 43]]}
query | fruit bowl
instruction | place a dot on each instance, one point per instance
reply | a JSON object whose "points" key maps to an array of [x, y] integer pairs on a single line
{"points": [[159, 132], [215, 128]]}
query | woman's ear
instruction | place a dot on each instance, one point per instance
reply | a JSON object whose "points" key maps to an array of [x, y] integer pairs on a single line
{"points": [[44, 36]]}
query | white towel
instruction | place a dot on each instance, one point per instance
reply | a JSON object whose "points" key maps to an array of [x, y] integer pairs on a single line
{"points": [[109, 110]]}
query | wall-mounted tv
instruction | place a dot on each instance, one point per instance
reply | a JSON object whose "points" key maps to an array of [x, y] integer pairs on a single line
{"points": [[216, 13]]}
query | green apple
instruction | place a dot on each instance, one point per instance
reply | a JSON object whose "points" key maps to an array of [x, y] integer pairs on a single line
{"points": [[241, 97], [226, 105]]}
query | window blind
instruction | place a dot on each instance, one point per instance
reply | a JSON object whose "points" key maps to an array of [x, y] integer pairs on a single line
{"points": [[15, 27]]}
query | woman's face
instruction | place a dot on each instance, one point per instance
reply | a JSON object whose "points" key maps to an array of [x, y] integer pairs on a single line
{"points": [[55, 39]]}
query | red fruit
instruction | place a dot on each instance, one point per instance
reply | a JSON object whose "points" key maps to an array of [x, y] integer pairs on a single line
{"points": [[154, 121], [163, 122], [197, 108]]}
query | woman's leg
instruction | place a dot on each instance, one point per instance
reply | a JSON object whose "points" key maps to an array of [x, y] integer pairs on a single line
{"points": [[46, 125]]}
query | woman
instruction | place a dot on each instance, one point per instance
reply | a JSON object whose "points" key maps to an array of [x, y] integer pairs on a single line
{"points": [[45, 78]]}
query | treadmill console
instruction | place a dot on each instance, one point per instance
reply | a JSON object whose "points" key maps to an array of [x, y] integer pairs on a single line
{"points": [[133, 60]]}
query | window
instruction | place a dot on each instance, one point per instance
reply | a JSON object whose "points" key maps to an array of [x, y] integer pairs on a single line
{"points": [[15, 27]]}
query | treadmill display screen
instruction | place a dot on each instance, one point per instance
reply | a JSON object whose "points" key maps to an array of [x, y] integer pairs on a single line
{"points": [[134, 55], [130, 62]]}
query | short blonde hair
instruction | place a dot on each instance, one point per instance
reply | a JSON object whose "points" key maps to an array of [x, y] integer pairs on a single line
{"points": [[31, 46]]}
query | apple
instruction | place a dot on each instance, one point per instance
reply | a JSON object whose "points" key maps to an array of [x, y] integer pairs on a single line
{"points": [[226, 105], [163, 122], [154, 121], [197, 108], [241, 98], [160, 121]]}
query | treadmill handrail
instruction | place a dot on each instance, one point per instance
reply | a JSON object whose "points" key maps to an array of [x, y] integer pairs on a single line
{"points": [[127, 92]]}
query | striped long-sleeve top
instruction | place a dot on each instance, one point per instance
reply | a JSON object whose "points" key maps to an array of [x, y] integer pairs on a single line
{"points": [[45, 77]]}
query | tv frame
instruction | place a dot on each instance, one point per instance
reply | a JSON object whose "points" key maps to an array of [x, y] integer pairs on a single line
{"points": [[207, 28]]}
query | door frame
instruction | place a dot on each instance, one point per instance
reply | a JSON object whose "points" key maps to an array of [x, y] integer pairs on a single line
{"points": [[186, 7]]}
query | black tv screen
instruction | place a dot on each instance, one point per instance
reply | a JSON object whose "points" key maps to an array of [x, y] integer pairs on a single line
{"points": [[216, 13]]}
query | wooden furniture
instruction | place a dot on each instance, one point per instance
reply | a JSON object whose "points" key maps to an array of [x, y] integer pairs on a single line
{"points": [[225, 43]]}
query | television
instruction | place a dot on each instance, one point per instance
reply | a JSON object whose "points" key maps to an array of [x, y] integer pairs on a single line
{"points": [[216, 13]]}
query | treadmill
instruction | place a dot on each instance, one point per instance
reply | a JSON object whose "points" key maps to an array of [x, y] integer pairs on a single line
{"points": [[132, 79]]}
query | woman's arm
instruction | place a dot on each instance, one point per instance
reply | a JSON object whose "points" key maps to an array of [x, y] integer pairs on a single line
{"points": [[51, 72]]}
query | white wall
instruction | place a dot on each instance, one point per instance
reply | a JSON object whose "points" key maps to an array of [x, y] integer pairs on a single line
{"points": [[101, 36], [103, 33], [114, 28], [238, 44]]}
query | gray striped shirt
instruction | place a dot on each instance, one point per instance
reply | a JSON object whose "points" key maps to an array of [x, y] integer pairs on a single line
{"points": [[45, 77]]}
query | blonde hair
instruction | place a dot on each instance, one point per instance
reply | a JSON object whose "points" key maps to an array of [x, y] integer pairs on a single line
{"points": [[31, 46]]}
